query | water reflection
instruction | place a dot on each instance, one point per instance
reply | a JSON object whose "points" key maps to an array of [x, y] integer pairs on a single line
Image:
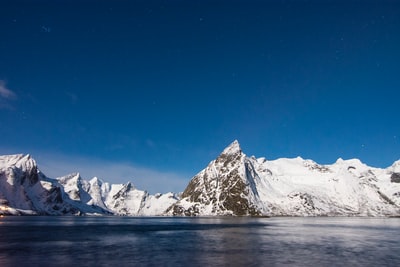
{"points": [[62, 241]]}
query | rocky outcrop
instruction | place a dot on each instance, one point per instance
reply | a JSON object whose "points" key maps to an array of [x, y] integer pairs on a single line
{"points": [[231, 185], [234, 184], [395, 177], [24, 190], [225, 187]]}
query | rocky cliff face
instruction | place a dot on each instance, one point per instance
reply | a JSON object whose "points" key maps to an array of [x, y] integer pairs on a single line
{"points": [[232, 184], [25, 190], [225, 187], [235, 184]]}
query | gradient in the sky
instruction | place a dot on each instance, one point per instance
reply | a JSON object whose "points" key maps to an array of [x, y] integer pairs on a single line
{"points": [[151, 91]]}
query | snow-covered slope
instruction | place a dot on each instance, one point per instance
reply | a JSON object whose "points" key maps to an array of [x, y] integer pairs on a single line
{"points": [[235, 184], [224, 187], [25, 190], [118, 199], [232, 184]]}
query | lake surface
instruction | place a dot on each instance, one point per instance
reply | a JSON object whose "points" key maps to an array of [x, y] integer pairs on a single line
{"points": [[165, 241]]}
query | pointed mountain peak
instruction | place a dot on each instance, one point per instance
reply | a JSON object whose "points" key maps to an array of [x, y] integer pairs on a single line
{"points": [[395, 166], [129, 186], [232, 153], [96, 180], [17, 160], [233, 148], [72, 177]]}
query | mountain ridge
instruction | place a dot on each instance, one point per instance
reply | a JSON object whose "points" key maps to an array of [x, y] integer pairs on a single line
{"points": [[231, 185], [24, 190], [290, 187]]}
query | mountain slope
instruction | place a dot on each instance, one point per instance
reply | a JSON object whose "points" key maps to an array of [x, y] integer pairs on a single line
{"points": [[235, 184], [25, 190], [232, 184], [223, 188]]}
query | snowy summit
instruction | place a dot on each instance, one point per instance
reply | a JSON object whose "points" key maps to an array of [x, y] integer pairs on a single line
{"points": [[233, 184]]}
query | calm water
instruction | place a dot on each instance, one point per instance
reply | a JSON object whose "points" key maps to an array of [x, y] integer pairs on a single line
{"points": [[123, 241]]}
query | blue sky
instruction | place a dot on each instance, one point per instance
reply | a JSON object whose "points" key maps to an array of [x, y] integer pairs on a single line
{"points": [[151, 91]]}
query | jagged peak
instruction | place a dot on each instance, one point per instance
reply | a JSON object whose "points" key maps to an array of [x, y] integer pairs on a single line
{"points": [[233, 148], [96, 180], [395, 166], [72, 176], [23, 161], [129, 186], [76, 175]]}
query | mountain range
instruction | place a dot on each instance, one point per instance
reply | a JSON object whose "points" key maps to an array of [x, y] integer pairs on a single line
{"points": [[231, 185]]}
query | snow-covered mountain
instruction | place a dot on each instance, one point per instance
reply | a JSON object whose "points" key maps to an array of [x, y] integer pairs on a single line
{"points": [[25, 190], [118, 199], [232, 184], [235, 184]]}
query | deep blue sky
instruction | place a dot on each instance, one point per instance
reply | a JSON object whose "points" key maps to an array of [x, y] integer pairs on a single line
{"points": [[164, 86]]}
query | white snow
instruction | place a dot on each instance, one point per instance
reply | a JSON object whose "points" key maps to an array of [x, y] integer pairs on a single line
{"points": [[293, 187], [299, 187], [25, 190]]}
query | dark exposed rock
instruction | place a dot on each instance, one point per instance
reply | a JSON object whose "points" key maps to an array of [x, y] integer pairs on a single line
{"points": [[224, 186], [395, 177], [316, 167], [55, 195], [123, 191], [305, 199], [385, 198]]}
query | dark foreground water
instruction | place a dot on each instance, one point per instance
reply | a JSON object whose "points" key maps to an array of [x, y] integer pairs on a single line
{"points": [[124, 241]]}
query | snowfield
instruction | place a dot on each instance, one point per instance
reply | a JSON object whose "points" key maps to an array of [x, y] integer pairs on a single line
{"points": [[233, 184], [24, 190]]}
